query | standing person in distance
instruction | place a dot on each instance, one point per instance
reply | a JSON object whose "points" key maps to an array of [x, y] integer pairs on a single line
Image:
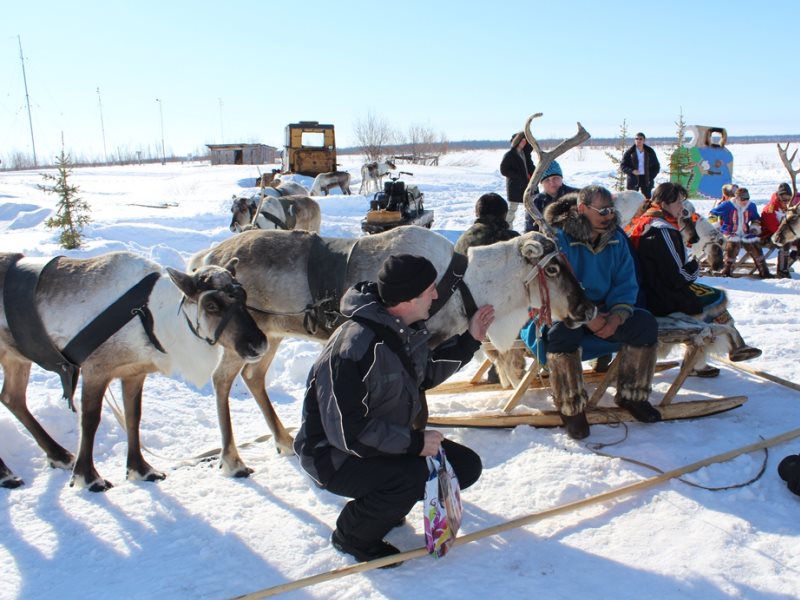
{"points": [[641, 165], [517, 167]]}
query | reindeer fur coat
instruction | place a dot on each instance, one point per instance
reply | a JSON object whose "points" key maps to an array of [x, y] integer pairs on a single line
{"points": [[486, 230], [606, 267]]}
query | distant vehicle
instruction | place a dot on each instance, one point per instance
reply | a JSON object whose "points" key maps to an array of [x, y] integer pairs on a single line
{"points": [[398, 204], [310, 149]]}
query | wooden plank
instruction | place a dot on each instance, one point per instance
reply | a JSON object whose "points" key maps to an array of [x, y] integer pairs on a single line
{"points": [[461, 387], [763, 374], [689, 409]]}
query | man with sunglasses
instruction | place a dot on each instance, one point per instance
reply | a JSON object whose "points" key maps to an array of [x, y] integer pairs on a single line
{"points": [[641, 165], [587, 227]]}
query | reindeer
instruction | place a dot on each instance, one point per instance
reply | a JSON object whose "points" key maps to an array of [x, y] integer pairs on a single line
{"points": [[788, 231], [287, 212], [710, 244], [325, 182], [282, 269], [372, 175], [185, 323]]}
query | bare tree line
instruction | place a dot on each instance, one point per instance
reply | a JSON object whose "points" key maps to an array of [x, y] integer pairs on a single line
{"points": [[377, 140]]}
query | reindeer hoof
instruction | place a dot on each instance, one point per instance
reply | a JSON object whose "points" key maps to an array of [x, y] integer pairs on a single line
{"points": [[98, 485], [11, 482], [149, 475], [243, 472]]}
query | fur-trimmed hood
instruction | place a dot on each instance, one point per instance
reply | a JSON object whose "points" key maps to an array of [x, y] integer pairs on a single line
{"points": [[563, 214]]}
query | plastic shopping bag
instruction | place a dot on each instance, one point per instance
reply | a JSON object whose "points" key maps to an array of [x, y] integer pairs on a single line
{"points": [[442, 505]]}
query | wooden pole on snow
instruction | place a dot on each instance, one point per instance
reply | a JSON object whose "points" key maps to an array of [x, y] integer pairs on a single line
{"points": [[526, 520]]}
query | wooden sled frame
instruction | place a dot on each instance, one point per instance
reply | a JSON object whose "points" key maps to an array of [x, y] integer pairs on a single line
{"points": [[677, 329], [746, 266]]}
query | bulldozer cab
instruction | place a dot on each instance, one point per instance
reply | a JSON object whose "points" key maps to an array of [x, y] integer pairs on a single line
{"points": [[310, 148]]}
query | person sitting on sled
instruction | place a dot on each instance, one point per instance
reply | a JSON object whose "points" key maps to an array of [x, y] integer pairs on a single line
{"points": [[587, 227], [740, 225], [771, 217], [669, 280]]}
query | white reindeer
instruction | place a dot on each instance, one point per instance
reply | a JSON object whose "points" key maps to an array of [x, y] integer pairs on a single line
{"points": [[325, 182], [372, 175]]}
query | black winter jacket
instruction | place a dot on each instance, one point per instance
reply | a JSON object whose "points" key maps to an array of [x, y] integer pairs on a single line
{"points": [[512, 168], [360, 400], [630, 164], [665, 273]]}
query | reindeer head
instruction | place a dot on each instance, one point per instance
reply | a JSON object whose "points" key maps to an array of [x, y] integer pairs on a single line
{"points": [[215, 308], [789, 229], [559, 292]]}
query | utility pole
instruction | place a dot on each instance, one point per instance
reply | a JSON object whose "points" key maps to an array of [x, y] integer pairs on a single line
{"points": [[161, 112], [221, 128], [102, 127], [27, 100]]}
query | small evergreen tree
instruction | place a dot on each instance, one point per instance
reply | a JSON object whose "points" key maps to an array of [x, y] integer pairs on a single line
{"points": [[616, 157], [72, 212], [681, 168]]}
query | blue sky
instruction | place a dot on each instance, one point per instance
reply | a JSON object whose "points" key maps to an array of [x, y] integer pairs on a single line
{"points": [[239, 71]]}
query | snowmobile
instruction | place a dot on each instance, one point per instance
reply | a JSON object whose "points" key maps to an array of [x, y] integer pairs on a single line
{"points": [[398, 204]]}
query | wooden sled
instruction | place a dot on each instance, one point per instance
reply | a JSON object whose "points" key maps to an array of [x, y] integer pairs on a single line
{"points": [[675, 329]]}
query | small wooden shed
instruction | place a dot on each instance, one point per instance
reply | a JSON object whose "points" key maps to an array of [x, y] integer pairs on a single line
{"points": [[242, 154]]}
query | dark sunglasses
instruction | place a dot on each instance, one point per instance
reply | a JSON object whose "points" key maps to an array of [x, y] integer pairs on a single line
{"points": [[603, 212], [640, 138]]}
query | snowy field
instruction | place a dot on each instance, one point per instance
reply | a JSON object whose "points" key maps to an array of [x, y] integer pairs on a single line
{"points": [[199, 534]]}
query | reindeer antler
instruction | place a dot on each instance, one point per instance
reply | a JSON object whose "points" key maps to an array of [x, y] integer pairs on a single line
{"points": [[787, 162], [545, 159]]}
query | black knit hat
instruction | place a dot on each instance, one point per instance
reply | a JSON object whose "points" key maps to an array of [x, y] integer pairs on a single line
{"points": [[403, 277], [491, 205]]}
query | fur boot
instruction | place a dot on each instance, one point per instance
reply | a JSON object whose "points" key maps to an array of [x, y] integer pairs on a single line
{"points": [[783, 265], [763, 269], [569, 393], [637, 364], [731, 251], [739, 350]]}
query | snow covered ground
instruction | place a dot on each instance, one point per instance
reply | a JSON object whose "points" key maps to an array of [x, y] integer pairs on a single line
{"points": [[200, 535]]}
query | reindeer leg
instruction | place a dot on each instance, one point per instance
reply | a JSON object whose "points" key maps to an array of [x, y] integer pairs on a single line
{"points": [[137, 466], [7, 478], [228, 368], [84, 474], [15, 382], [254, 376]]}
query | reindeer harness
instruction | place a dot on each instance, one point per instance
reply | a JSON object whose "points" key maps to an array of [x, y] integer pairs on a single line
{"points": [[34, 343]]}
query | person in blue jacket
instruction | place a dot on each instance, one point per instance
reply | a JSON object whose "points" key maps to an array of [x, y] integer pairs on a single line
{"points": [[588, 232], [740, 225]]}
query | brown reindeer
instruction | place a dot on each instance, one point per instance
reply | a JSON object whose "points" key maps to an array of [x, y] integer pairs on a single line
{"points": [[180, 323], [279, 268]]}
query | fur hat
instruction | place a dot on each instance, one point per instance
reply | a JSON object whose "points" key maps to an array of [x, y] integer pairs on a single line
{"points": [[742, 194], [553, 169], [784, 188], [403, 277], [729, 189], [491, 205]]}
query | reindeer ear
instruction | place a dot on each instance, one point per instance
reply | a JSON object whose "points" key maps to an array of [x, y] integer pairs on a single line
{"points": [[184, 282], [532, 250], [231, 266]]}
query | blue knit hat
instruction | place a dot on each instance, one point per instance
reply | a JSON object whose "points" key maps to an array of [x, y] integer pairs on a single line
{"points": [[553, 169]]}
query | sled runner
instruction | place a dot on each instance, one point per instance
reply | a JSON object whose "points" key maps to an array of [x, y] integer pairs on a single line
{"points": [[693, 334]]}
